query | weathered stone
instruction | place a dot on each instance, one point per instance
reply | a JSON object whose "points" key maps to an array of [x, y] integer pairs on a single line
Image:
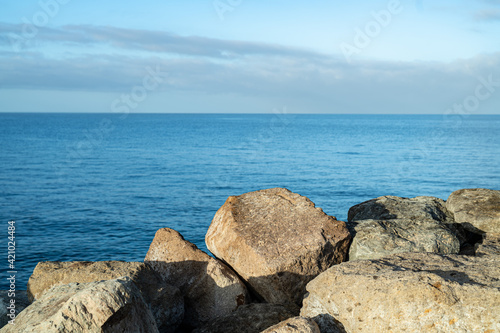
{"points": [[392, 207], [165, 301], [418, 208], [294, 325], [477, 209], [8, 309], [250, 318], [277, 241], [375, 239], [106, 306], [410, 292], [211, 289], [490, 246]]}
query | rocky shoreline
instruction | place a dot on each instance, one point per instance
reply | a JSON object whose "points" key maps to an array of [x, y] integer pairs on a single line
{"points": [[282, 265]]}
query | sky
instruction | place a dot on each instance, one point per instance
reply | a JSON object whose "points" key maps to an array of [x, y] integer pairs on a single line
{"points": [[237, 56]]}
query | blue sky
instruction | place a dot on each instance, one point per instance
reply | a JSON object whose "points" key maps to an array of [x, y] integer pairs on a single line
{"points": [[413, 56]]}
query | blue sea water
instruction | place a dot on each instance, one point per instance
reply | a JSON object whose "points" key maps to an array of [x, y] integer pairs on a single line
{"points": [[98, 186]]}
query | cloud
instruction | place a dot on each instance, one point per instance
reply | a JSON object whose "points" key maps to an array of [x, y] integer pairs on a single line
{"points": [[118, 59], [488, 15], [141, 40]]}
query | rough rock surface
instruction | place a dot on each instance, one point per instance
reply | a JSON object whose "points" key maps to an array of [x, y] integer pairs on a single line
{"points": [[392, 207], [477, 209], [294, 325], [277, 241], [375, 239], [250, 318], [165, 301], [211, 289], [410, 292], [489, 246], [21, 301], [106, 306], [419, 208]]}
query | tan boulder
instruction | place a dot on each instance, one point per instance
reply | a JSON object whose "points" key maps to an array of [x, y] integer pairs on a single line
{"points": [[478, 209], [277, 241], [165, 301], [112, 306], [211, 289], [294, 325], [409, 292], [250, 318]]}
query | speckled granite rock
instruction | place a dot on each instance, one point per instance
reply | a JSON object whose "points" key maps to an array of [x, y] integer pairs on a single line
{"points": [[277, 241], [375, 239], [410, 292]]}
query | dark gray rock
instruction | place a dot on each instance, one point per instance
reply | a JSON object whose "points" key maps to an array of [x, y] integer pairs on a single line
{"points": [[250, 318], [21, 301], [375, 239]]}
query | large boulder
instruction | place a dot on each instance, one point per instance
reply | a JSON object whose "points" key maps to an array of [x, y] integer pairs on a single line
{"points": [[422, 208], [277, 241], [166, 302], [11, 304], [211, 289], [477, 209], [379, 238], [250, 318], [410, 292], [294, 325], [106, 306]]}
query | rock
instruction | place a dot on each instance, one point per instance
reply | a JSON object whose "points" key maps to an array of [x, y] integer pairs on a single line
{"points": [[211, 289], [165, 301], [375, 239], [392, 207], [419, 208], [106, 306], [250, 318], [410, 292], [294, 325], [277, 241], [21, 301], [490, 245], [477, 209]]}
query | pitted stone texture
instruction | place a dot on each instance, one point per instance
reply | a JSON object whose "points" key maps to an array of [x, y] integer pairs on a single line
{"points": [[277, 241], [211, 289], [112, 306], [477, 209], [410, 292], [165, 301], [375, 239]]}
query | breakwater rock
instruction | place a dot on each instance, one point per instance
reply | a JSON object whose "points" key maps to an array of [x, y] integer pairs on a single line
{"points": [[399, 264]]}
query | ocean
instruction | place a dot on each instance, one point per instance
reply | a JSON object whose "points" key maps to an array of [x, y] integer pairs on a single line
{"points": [[98, 186]]}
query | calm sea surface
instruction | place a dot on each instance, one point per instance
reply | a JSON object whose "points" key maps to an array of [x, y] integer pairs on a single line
{"points": [[98, 186]]}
